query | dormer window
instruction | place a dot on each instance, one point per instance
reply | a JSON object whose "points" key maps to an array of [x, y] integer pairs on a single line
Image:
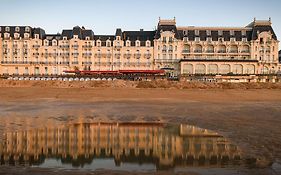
{"points": [[46, 42], [75, 36], [64, 38], [118, 38], [243, 32], [36, 36], [185, 32], [208, 32], [108, 43], [16, 35], [26, 35], [27, 29], [185, 39], [6, 35], [231, 32], [221, 39], [17, 29], [220, 32], [54, 42], [128, 43], [137, 43], [7, 29], [148, 44], [98, 43], [209, 39], [244, 39], [197, 32], [197, 39]]}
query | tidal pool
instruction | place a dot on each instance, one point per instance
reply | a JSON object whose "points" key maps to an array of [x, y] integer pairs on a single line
{"points": [[135, 147]]}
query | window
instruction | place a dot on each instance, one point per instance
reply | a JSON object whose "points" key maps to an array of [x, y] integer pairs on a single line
{"points": [[17, 29], [185, 39], [26, 70], [197, 39], [220, 32], [64, 38], [87, 38], [7, 29], [99, 43], [46, 42], [244, 39], [208, 32], [27, 29], [209, 39], [232, 39], [36, 36], [221, 39], [185, 32], [26, 35], [128, 43], [148, 44], [108, 43], [231, 32], [243, 32], [54, 43], [197, 32], [164, 39], [16, 35], [137, 43]]}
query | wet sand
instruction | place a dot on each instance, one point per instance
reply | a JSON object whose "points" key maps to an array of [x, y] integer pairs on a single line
{"points": [[249, 118]]}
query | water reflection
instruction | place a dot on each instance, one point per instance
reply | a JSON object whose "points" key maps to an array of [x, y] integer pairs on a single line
{"points": [[145, 146]]}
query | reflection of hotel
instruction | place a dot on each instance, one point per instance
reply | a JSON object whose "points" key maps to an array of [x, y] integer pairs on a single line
{"points": [[78, 144], [183, 50]]}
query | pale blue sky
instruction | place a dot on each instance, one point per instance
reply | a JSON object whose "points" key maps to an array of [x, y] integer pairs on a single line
{"points": [[104, 16]]}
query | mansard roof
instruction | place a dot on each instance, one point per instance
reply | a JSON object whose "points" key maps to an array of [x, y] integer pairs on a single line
{"points": [[80, 32], [141, 35], [214, 34], [40, 32], [262, 28], [13, 30]]}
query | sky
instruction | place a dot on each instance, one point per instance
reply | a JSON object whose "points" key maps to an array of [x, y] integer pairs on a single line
{"points": [[104, 16]]}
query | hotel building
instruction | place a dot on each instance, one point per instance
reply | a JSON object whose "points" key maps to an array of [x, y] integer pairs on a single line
{"points": [[253, 49]]}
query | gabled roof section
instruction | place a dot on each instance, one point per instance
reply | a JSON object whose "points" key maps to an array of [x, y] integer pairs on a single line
{"points": [[167, 25], [118, 32], [40, 32], [260, 26]]}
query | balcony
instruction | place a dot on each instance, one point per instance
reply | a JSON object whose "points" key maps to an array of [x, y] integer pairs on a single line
{"points": [[74, 62], [87, 46], [233, 51], [147, 55], [127, 55], [64, 46], [209, 51], [36, 46], [87, 63], [186, 51], [86, 54], [197, 51], [137, 55], [98, 55], [75, 46]]}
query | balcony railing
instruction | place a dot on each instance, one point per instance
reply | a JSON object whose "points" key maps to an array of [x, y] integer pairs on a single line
{"points": [[137, 55], [197, 51], [87, 62], [127, 55], [185, 51]]}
